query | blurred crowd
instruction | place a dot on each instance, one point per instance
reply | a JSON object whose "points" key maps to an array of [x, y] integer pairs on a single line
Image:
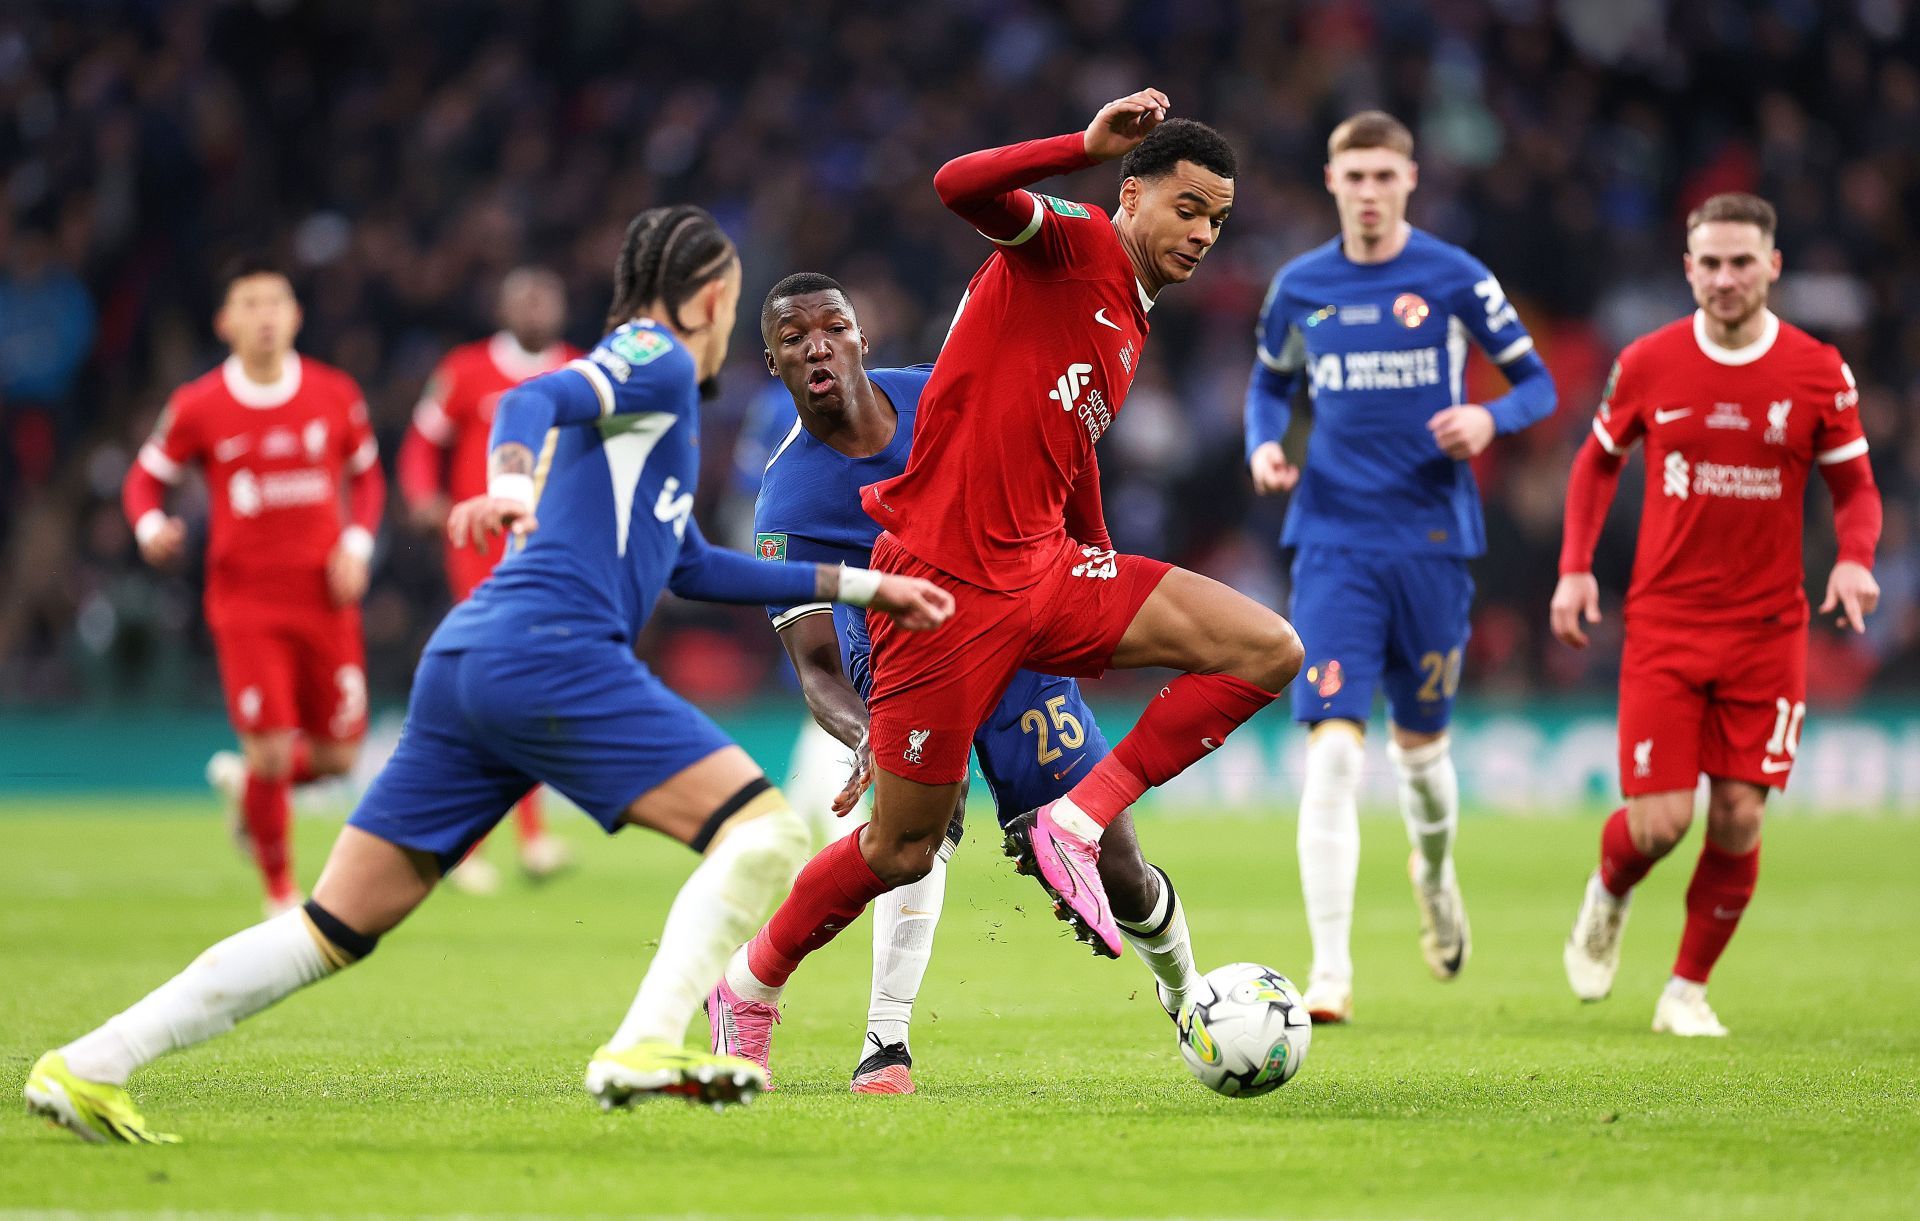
{"points": [[402, 157]]}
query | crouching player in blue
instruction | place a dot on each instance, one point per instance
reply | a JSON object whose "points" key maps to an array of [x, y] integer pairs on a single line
{"points": [[855, 427], [533, 680], [1384, 520]]}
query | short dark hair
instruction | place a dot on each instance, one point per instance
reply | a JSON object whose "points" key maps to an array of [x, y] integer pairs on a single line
{"points": [[799, 284], [668, 254], [1370, 129], [250, 263], [1178, 140], [1736, 208]]}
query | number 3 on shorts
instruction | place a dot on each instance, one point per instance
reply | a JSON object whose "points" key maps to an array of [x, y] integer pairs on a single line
{"points": [[1072, 735]]}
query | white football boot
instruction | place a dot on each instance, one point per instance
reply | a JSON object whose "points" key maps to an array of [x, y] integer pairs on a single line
{"points": [[1445, 939], [475, 876], [1329, 1001], [545, 856], [1592, 953], [1683, 1010]]}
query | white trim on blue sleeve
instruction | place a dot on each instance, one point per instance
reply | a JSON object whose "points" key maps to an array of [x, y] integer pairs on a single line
{"points": [[602, 388], [1514, 351]]}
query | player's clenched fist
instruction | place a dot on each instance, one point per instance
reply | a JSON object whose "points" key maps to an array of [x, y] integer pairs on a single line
{"points": [[1462, 431], [477, 520], [1575, 599], [1271, 470], [1124, 122], [162, 543], [917, 605]]}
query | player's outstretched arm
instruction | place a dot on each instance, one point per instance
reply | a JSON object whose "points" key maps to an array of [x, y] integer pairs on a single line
{"points": [[1590, 488], [986, 188], [707, 573], [1857, 516]]}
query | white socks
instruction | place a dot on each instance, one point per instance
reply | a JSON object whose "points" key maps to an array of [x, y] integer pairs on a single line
{"points": [[718, 908], [232, 980], [816, 773], [1429, 802], [1076, 821], [1329, 844], [1161, 940], [904, 920]]}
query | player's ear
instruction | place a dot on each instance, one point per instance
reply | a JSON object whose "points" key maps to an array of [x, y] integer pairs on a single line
{"points": [[771, 368], [1413, 174], [1774, 263], [1326, 174], [1130, 196], [299, 318]]}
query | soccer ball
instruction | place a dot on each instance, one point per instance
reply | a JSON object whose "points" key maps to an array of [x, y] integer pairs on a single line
{"points": [[1245, 1030]]}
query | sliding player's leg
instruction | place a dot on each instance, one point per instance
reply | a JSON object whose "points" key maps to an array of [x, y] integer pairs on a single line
{"points": [[1663, 707], [437, 794], [1431, 600], [598, 727], [1125, 612], [1040, 740]]}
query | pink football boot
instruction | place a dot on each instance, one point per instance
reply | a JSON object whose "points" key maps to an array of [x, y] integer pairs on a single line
{"points": [[1068, 867], [741, 1027]]}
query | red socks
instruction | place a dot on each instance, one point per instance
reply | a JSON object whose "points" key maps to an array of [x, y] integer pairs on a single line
{"points": [[1722, 884], [830, 893], [527, 816], [265, 806], [1190, 718], [1621, 864], [301, 761]]}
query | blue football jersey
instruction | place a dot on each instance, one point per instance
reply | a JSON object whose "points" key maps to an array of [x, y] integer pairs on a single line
{"points": [[809, 506], [614, 487], [1384, 347]]}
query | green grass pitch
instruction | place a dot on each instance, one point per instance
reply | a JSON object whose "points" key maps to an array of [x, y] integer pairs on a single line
{"points": [[443, 1076]]}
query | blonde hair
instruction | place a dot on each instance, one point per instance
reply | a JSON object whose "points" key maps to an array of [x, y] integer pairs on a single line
{"points": [[1371, 129], [1736, 208]]}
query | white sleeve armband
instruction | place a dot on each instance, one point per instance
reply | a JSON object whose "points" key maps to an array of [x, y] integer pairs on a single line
{"points": [[858, 586], [357, 542], [511, 487], [151, 523]]}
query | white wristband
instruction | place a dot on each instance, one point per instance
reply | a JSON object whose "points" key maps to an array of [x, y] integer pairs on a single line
{"points": [[511, 487], [357, 542], [151, 523], [858, 586]]}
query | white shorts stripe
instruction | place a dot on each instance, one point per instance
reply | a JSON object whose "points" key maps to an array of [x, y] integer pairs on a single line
{"points": [[1606, 440], [364, 457]]}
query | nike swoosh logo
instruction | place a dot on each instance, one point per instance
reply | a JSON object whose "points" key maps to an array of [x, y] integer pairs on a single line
{"points": [[1770, 766], [1209, 743], [1668, 417], [1065, 771], [227, 451], [912, 911], [1721, 913], [1100, 316]]}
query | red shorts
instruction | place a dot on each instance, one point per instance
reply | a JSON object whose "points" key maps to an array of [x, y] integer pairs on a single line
{"points": [[303, 672], [931, 690], [1727, 701]]}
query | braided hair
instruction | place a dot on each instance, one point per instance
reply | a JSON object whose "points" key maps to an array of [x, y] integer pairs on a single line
{"points": [[669, 254]]}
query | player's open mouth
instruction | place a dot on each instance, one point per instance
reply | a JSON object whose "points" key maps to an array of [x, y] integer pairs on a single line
{"points": [[821, 380]]}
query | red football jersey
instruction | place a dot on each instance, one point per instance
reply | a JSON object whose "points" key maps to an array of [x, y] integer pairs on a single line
{"points": [[274, 457], [456, 413], [1036, 366], [1731, 435], [456, 409]]}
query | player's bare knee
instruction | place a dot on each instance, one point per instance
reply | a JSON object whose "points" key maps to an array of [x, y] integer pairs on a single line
{"points": [[1660, 822], [1273, 654], [269, 756], [326, 758], [1734, 815]]}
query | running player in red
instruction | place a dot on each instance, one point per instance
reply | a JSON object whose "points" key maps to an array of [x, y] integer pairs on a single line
{"points": [[444, 461], [1000, 505], [1735, 407], [275, 434]]}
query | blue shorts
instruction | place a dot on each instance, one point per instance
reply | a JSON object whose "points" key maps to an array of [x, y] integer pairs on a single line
{"points": [[1037, 743], [1370, 620], [484, 726]]}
